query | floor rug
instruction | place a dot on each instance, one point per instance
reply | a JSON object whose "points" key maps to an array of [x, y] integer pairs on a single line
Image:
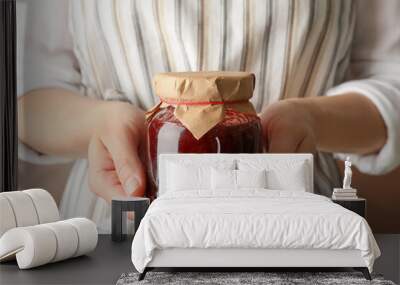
{"points": [[244, 278]]}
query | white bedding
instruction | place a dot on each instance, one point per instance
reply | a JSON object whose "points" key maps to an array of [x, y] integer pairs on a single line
{"points": [[251, 218]]}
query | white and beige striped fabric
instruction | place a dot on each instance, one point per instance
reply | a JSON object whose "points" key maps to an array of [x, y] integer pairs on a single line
{"points": [[295, 49]]}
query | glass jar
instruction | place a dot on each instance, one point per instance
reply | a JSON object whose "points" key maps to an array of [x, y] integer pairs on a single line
{"points": [[235, 131]]}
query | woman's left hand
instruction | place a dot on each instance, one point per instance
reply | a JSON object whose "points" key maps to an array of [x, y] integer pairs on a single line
{"points": [[349, 123]]}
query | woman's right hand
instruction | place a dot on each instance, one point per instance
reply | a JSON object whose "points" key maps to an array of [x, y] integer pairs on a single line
{"points": [[115, 163]]}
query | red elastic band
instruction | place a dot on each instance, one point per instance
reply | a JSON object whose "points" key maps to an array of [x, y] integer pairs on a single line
{"points": [[202, 103]]}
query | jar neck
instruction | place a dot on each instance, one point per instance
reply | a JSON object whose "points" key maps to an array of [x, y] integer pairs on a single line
{"points": [[201, 103]]}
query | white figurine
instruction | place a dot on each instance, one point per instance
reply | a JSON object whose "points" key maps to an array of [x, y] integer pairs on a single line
{"points": [[347, 174]]}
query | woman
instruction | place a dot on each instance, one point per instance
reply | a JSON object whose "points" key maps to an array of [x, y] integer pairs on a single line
{"points": [[88, 68]]}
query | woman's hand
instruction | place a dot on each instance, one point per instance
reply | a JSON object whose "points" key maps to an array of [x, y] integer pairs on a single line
{"points": [[349, 123], [288, 127], [115, 165], [111, 134]]}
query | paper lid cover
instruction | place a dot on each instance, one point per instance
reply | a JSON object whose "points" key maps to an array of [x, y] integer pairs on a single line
{"points": [[201, 98]]}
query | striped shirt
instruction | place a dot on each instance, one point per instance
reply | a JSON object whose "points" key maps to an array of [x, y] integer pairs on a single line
{"points": [[295, 48]]}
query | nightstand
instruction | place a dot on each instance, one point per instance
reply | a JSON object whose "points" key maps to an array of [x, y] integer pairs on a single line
{"points": [[358, 205], [119, 207]]}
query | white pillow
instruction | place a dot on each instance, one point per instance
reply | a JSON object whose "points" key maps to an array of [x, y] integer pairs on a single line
{"points": [[184, 175], [282, 174], [251, 178], [237, 179], [289, 179], [181, 177], [223, 179]]}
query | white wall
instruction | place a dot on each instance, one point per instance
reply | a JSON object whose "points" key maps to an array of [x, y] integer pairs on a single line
{"points": [[389, 262]]}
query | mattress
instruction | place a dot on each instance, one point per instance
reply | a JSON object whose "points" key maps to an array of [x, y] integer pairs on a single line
{"points": [[250, 219]]}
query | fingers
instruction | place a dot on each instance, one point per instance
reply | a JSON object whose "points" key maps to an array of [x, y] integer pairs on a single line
{"points": [[115, 168], [103, 179], [291, 143], [129, 168], [282, 137], [307, 145], [131, 174], [288, 128]]}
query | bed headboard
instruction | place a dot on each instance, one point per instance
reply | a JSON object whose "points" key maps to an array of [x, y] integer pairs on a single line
{"points": [[205, 159]]}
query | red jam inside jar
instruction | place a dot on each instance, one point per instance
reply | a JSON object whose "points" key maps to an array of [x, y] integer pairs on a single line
{"points": [[236, 133]]}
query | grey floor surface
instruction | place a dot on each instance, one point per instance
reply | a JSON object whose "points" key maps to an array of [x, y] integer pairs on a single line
{"points": [[103, 266]]}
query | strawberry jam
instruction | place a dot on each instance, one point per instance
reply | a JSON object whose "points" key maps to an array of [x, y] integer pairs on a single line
{"points": [[236, 133]]}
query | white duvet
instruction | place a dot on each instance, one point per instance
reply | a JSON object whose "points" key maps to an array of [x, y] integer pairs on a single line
{"points": [[254, 218]]}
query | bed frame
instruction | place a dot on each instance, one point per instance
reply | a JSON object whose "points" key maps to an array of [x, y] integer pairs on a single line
{"points": [[256, 259], [236, 259]]}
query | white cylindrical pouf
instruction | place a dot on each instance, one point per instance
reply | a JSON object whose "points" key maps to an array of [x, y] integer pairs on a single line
{"points": [[45, 205], [87, 233], [67, 239], [34, 245], [7, 218], [23, 208], [40, 244]]}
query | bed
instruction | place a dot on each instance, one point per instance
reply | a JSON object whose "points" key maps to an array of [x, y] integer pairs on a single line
{"points": [[246, 211]]}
